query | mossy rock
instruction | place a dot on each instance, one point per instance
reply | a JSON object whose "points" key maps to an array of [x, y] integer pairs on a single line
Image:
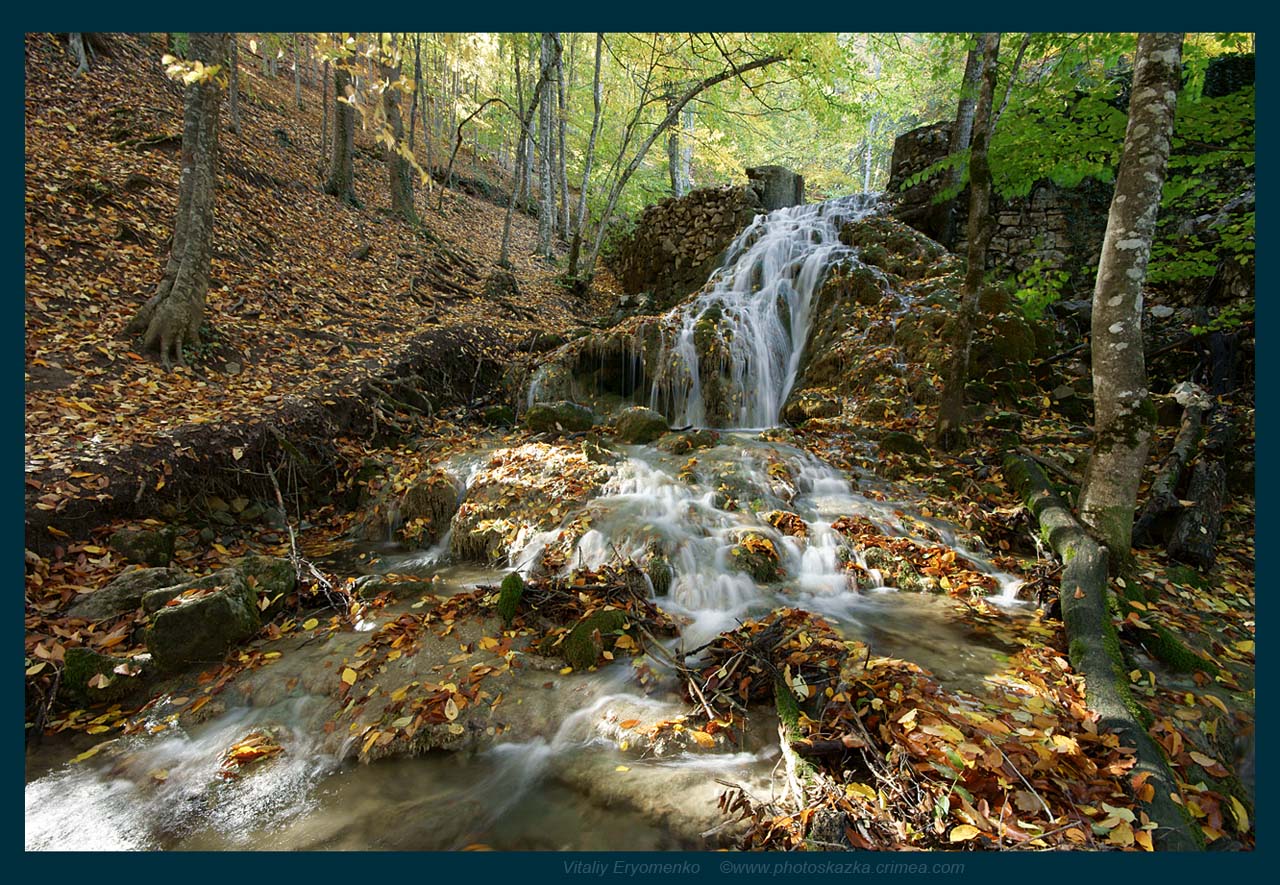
{"points": [[902, 443], [125, 592], [81, 665], [580, 648], [201, 627], [153, 547], [679, 443], [499, 416], [661, 574], [758, 557], [812, 404], [509, 597], [273, 578], [639, 425], [1186, 576], [563, 416], [428, 505]]}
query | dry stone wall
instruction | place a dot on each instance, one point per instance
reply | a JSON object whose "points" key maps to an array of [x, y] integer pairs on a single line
{"points": [[1060, 227]]}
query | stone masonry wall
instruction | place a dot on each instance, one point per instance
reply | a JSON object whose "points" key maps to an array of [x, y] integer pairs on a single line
{"points": [[677, 243], [1063, 227]]}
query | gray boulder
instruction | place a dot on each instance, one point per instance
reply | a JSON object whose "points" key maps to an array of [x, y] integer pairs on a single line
{"points": [[152, 547], [125, 592], [201, 623]]}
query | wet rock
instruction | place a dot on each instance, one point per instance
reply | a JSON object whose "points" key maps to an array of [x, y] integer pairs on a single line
{"points": [[428, 506], [152, 547], [125, 592], [661, 574], [594, 635], [498, 416], [521, 491], [203, 622], [776, 186], [563, 416], [758, 557], [273, 577], [679, 443], [639, 425], [812, 404], [509, 597], [82, 666]]}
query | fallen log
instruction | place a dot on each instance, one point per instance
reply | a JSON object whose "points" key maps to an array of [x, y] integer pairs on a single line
{"points": [[1094, 647]]}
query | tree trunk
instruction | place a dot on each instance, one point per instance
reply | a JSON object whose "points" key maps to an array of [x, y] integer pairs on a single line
{"points": [[1163, 504], [547, 211], [580, 223], [1123, 413], [76, 42], [341, 183], [297, 70], [171, 318], [324, 124], [673, 150], [233, 97], [942, 216], [526, 120], [686, 151], [950, 430], [399, 170], [563, 164], [417, 88]]}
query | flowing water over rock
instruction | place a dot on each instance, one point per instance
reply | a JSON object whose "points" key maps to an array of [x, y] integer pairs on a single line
{"points": [[727, 530], [752, 321]]}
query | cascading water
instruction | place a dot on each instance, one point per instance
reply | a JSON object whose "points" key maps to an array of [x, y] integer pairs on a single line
{"points": [[753, 319], [693, 509]]}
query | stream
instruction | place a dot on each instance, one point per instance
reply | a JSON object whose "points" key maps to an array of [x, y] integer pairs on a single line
{"points": [[564, 779]]}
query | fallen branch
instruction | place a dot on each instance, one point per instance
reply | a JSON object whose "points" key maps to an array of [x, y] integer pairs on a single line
{"points": [[1164, 500], [1095, 648]]}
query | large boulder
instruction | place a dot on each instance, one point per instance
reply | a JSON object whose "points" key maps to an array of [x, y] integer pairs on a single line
{"points": [[125, 592], [200, 623], [562, 416], [639, 425], [89, 677]]}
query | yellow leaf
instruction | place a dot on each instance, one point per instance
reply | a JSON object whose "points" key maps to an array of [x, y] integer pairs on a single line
{"points": [[368, 742], [565, 671], [450, 710], [1203, 760], [35, 668], [862, 790], [92, 751], [1242, 816], [349, 676], [402, 722], [703, 739], [964, 833], [310, 624], [629, 723], [455, 728], [1143, 838], [1121, 834], [622, 768]]}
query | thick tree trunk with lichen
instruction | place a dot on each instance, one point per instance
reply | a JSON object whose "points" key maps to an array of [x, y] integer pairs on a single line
{"points": [[76, 41], [171, 318], [399, 171], [950, 429], [941, 225], [341, 182], [1123, 413]]}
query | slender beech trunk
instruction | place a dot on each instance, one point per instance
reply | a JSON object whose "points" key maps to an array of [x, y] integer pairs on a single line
{"points": [[580, 222], [1123, 414], [417, 87], [297, 70], [526, 120], [546, 182], [942, 221], [324, 124], [950, 430], [171, 318], [233, 98], [563, 164]]}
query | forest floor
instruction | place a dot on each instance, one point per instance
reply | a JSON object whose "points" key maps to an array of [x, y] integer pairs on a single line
{"points": [[297, 324]]}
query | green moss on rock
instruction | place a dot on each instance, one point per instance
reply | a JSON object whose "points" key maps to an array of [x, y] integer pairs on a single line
{"points": [[593, 635], [509, 597]]}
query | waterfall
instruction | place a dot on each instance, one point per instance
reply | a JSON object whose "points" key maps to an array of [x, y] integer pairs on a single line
{"points": [[753, 319]]}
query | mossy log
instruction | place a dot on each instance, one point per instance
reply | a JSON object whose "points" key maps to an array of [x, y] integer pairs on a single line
{"points": [[1095, 647]]}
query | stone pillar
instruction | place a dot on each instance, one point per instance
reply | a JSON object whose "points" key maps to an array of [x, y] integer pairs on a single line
{"points": [[777, 186]]}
